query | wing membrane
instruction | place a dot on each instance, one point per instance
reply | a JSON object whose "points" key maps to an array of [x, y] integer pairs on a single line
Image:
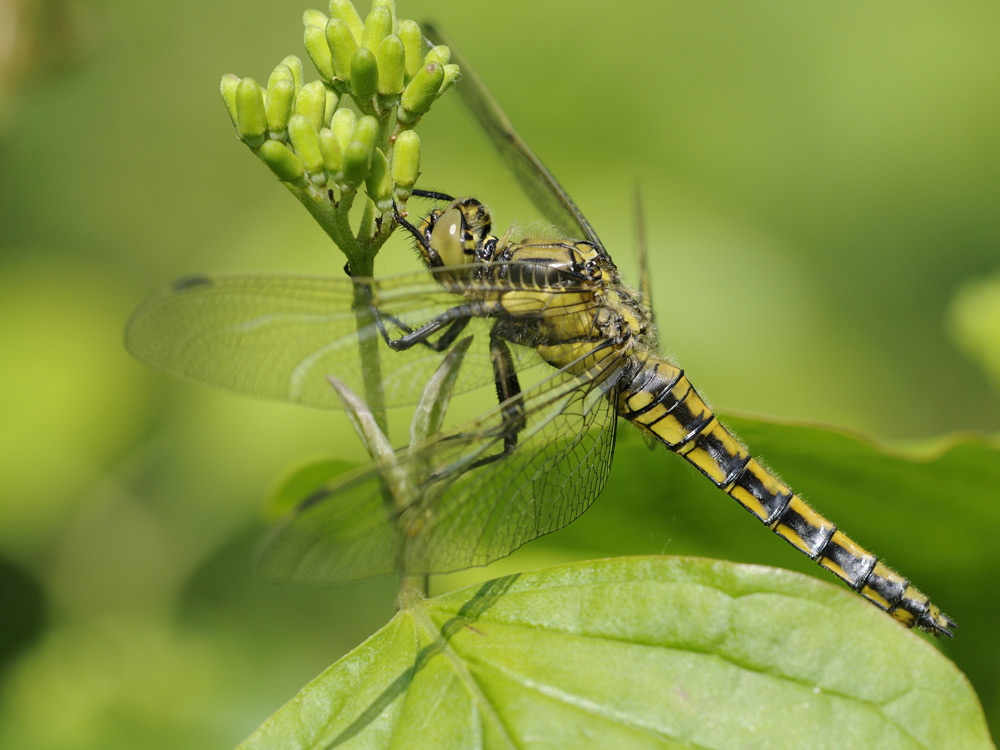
{"points": [[270, 336], [534, 177], [278, 337], [465, 516]]}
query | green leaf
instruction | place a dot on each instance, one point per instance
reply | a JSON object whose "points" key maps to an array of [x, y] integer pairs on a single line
{"points": [[650, 652]]}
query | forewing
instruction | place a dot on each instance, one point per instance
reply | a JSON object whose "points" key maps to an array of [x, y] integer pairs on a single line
{"points": [[279, 337], [466, 515], [533, 176]]}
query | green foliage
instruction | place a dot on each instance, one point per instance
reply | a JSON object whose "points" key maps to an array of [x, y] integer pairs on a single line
{"points": [[637, 652], [975, 322], [301, 481]]}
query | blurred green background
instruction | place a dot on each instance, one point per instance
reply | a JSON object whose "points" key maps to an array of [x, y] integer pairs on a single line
{"points": [[823, 206]]}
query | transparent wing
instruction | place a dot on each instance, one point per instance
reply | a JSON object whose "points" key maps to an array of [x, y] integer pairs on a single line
{"points": [[645, 280], [642, 254], [279, 336], [465, 515], [535, 179]]}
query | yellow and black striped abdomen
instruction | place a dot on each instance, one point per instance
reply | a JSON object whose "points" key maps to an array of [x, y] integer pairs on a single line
{"points": [[660, 400]]}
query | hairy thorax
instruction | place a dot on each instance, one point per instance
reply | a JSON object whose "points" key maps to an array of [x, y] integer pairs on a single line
{"points": [[566, 300]]}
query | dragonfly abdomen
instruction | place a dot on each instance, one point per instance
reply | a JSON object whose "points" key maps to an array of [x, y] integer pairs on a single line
{"points": [[660, 400]]}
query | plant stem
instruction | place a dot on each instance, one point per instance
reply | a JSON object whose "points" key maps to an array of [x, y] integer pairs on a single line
{"points": [[412, 590]]}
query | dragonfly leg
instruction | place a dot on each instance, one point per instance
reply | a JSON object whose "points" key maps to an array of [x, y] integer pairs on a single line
{"points": [[433, 195], [511, 406], [412, 336], [401, 220], [508, 394], [452, 322]]}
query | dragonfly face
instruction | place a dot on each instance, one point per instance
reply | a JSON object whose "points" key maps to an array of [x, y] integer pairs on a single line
{"points": [[457, 235], [550, 308]]}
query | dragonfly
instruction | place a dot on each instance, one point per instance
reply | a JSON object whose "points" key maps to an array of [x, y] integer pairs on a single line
{"points": [[567, 346]]}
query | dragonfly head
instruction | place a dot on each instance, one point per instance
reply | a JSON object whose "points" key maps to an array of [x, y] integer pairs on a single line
{"points": [[458, 235]]}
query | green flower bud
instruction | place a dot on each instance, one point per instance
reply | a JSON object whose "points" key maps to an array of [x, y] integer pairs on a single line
{"points": [[314, 38], [367, 132], [357, 158], [378, 183], [366, 227], [440, 54], [344, 11], [406, 160], [342, 46], [311, 102], [413, 44], [331, 105], [305, 141], [228, 87], [285, 165], [390, 65], [314, 18], [280, 97], [294, 64], [251, 120], [281, 72], [389, 5], [364, 74], [420, 93], [333, 152], [343, 124], [378, 26], [451, 74]]}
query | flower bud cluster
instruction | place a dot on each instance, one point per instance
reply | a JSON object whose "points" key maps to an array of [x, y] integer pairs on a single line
{"points": [[381, 62], [306, 133]]}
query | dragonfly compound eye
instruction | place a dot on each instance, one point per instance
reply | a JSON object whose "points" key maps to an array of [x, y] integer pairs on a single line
{"points": [[447, 239]]}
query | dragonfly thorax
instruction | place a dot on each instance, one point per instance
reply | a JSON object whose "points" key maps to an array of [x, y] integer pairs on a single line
{"points": [[559, 296]]}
